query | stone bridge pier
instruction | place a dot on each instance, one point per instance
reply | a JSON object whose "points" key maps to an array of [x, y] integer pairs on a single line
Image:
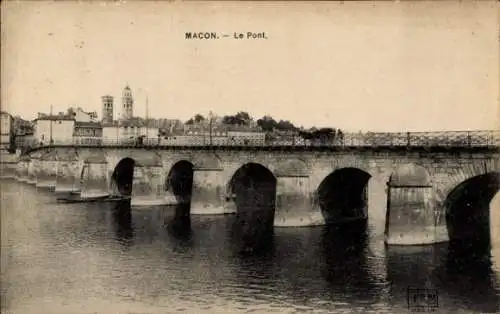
{"points": [[33, 169], [69, 174], [436, 204], [208, 193], [46, 177], [148, 186], [294, 204], [95, 177], [22, 169], [411, 208]]}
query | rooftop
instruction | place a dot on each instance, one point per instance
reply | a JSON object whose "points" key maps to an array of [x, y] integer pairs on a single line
{"points": [[110, 124], [88, 124], [5, 113], [127, 124], [56, 118]]}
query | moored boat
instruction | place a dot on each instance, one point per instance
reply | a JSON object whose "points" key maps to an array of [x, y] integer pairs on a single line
{"points": [[75, 198]]}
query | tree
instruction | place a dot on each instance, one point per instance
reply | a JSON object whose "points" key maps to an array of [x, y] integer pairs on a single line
{"points": [[305, 135], [340, 134], [323, 135], [285, 125], [233, 120], [198, 118], [71, 112], [243, 117], [267, 123]]}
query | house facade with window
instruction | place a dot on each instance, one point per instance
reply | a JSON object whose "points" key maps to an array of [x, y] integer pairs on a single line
{"points": [[126, 130], [59, 128], [82, 116], [87, 133], [6, 131]]}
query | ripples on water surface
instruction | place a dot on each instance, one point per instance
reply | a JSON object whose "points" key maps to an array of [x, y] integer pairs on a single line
{"points": [[92, 258]]}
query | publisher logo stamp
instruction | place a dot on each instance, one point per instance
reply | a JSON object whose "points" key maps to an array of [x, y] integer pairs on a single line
{"points": [[422, 300]]}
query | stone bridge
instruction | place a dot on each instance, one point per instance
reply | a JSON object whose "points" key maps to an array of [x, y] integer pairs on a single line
{"points": [[428, 195]]}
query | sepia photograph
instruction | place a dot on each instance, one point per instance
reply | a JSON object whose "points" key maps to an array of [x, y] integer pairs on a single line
{"points": [[250, 157]]}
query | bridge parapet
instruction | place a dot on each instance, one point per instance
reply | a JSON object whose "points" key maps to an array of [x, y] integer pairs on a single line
{"points": [[470, 139], [426, 139]]}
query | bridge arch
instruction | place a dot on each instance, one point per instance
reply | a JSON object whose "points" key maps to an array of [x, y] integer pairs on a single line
{"points": [[148, 161], [95, 158], [467, 206], [70, 155], [252, 188], [291, 167], [37, 154], [49, 155], [343, 195], [206, 161], [410, 175], [123, 176], [179, 180], [444, 189]]}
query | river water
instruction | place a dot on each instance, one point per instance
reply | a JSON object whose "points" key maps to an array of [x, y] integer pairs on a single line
{"points": [[101, 258]]}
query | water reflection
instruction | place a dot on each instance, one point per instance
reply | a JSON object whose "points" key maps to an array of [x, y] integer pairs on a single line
{"points": [[252, 246], [179, 228], [460, 272], [122, 222], [303, 264], [170, 261], [344, 250], [250, 234], [411, 267], [467, 275]]}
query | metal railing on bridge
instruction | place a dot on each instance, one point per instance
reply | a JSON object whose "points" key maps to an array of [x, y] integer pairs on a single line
{"points": [[369, 139]]}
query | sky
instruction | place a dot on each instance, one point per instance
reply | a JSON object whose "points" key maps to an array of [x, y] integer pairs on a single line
{"points": [[389, 66]]}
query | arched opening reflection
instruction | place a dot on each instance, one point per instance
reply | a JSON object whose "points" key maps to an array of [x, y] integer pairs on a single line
{"points": [[122, 220], [343, 195], [123, 176], [253, 190], [495, 224], [468, 260], [180, 181], [179, 226], [466, 272], [344, 250], [250, 239], [468, 208]]}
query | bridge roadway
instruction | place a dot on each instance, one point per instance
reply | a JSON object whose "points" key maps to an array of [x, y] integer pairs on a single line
{"points": [[429, 193]]}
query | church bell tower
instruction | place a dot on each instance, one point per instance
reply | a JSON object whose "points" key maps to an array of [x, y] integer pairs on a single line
{"points": [[128, 103]]}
